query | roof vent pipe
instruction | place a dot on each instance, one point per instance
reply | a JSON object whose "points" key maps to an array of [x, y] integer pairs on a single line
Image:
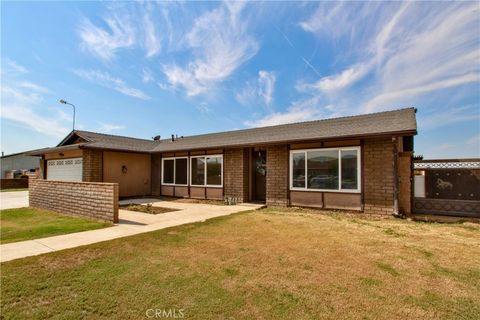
{"points": [[173, 137]]}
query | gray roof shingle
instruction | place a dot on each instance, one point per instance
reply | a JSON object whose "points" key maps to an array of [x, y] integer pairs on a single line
{"points": [[388, 122], [402, 120]]}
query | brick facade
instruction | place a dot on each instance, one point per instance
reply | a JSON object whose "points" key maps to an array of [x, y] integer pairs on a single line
{"points": [[236, 171], [405, 177], [93, 200], [277, 175], [92, 165], [378, 176]]}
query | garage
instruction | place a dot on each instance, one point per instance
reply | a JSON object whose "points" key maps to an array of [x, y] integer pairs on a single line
{"points": [[65, 169]]}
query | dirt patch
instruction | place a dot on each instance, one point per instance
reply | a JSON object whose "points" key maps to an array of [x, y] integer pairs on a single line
{"points": [[148, 208]]}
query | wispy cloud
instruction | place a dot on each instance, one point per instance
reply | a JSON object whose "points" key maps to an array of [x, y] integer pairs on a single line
{"points": [[26, 106], [152, 41], [106, 80], [298, 111], [109, 127], [407, 49], [220, 44], [105, 42], [439, 118], [147, 75], [10, 66], [262, 89]]}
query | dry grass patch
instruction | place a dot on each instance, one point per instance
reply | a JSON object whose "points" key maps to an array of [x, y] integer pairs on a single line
{"points": [[147, 208], [270, 264]]}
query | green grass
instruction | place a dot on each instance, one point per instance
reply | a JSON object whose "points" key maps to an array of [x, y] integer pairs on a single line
{"points": [[30, 223], [268, 264], [18, 189]]}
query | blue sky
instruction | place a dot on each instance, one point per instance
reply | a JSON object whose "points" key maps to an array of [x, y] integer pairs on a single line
{"points": [[143, 68]]}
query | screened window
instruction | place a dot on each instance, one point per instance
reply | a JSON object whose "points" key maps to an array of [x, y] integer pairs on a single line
{"points": [[181, 171], [298, 167], [325, 169], [198, 171], [175, 171], [207, 170], [168, 171]]}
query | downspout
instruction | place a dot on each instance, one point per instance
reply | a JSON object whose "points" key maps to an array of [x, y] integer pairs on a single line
{"points": [[395, 178]]}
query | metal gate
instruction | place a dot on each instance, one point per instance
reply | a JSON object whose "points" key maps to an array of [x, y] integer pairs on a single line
{"points": [[447, 187]]}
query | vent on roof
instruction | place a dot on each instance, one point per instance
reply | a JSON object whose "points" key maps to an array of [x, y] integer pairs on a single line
{"points": [[156, 138]]}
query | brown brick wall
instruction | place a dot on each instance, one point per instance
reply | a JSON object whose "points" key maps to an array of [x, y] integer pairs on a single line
{"points": [[235, 171], [405, 177], [378, 176], [277, 175], [94, 200], [92, 165]]}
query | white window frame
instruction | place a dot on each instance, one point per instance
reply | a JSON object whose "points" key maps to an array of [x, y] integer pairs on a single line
{"points": [[339, 150], [205, 171], [174, 171]]}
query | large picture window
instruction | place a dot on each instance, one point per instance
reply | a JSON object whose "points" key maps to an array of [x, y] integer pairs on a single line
{"points": [[175, 171], [325, 169], [206, 171]]}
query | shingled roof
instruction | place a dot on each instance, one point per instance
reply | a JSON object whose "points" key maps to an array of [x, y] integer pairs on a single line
{"points": [[400, 121], [389, 122]]}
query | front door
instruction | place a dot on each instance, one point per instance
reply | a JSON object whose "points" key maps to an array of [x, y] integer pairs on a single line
{"points": [[259, 175]]}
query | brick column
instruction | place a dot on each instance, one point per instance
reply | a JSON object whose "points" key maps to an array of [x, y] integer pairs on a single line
{"points": [[277, 176], [405, 176], [235, 173], [92, 166], [378, 179]]}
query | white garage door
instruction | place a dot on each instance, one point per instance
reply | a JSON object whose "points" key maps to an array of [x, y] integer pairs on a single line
{"points": [[65, 169]]}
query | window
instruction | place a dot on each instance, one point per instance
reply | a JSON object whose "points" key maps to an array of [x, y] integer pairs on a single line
{"points": [[175, 171], [207, 171], [325, 169]]}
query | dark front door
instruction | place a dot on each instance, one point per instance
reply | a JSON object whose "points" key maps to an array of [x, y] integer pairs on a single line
{"points": [[259, 175]]}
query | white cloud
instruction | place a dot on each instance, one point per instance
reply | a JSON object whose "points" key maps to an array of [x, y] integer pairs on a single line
{"points": [[203, 107], [147, 76], [267, 85], [220, 44], [104, 43], [263, 88], [153, 43], [299, 111], [109, 127], [26, 107], [10, 66], [106, 80], [438, 118], [407, 49]]}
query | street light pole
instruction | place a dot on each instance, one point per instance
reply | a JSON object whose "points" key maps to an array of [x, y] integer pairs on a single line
{"points": [[65, 102]]}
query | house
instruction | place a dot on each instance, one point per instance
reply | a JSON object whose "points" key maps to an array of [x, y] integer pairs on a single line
{"points": [[17, 164], [357, 163]]}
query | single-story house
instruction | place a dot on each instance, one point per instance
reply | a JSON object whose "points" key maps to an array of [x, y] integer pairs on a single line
{"points": [[357, 163]]}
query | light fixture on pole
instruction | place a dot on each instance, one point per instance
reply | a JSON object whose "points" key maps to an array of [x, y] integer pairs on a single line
{"points": [[65, 102]]}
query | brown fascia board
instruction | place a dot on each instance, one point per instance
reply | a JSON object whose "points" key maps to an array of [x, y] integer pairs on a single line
{"points": [[369, 136], [40, 152]]}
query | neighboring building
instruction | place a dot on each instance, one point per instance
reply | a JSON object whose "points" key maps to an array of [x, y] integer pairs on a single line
{"points": [[357, 163], [18, 163]]}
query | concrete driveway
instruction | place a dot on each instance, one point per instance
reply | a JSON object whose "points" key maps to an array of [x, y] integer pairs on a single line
{"points": [[13, 199], [131, 223]]}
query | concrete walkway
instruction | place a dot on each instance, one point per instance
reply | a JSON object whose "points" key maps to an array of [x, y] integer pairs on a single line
{"points": [[130, 223], [13, 199]]}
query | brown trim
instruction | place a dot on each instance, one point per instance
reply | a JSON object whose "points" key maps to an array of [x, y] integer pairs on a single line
{"points": [[288, 175], [362, 172]]}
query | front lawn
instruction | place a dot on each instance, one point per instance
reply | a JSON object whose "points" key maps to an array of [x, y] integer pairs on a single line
{"points": [[268, 264], [30, 223]]}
